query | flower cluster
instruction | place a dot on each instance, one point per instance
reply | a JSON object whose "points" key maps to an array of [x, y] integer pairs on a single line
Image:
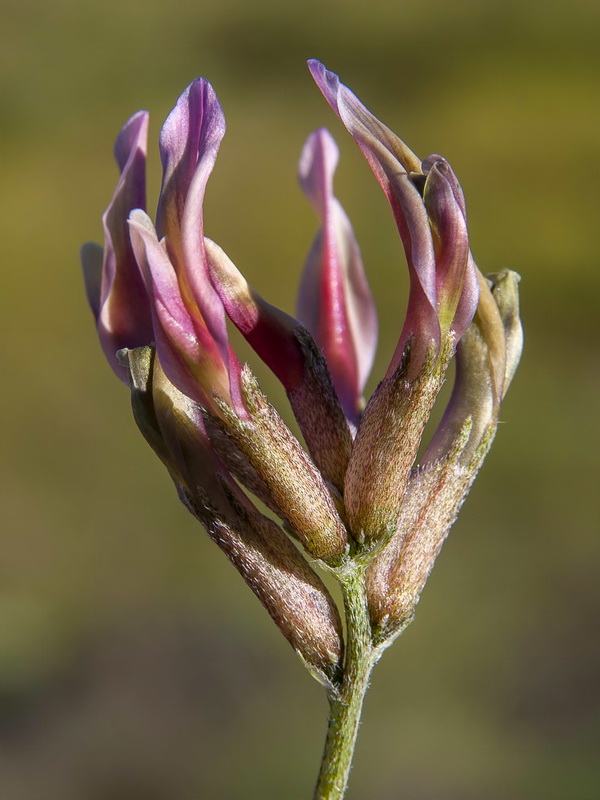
{"points": [[162, 293]]}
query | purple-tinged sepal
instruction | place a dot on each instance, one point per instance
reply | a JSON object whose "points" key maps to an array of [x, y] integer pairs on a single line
{"points": [[114, 285], [284, 582], [173, 425], [335, 302]]}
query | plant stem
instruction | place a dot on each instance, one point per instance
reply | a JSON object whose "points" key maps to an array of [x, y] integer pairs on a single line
{"points": [[346, 706]]}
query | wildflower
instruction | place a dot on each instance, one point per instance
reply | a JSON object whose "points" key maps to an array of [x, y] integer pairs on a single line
{"points": [[358, 499]]}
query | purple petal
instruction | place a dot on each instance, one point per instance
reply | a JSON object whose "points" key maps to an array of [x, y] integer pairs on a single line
{"points": [[123, 312], [188, 354], [392, 161], [335, 302], [381, 147], [189, 142], [451, 241], [421, 326]]}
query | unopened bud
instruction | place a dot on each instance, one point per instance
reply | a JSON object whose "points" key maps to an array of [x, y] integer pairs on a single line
{"points": [[505, 290], [486, 359], [283, 581], [271, 565]]}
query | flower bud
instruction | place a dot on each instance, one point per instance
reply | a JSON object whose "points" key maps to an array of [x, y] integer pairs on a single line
{"points": [[486, 359], [283, 581], [271, 565], [397, 575], [505, 290]]}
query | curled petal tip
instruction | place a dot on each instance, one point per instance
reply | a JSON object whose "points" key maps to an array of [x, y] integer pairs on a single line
{"points": [[133, 135], [189, 142], [384, 151]]}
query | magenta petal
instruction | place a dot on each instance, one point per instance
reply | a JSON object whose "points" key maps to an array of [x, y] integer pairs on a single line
{"points": [[421, 326], [335, 302], [190, 137], [124, 318]]}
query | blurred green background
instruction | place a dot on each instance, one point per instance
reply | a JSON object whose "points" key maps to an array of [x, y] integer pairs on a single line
{"points": [[134, 663]]}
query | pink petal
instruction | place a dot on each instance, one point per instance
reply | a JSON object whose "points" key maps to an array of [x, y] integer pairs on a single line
{"points": [[335, 302]]}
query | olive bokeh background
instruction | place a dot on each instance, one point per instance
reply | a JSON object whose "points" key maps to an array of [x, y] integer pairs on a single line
{"points": [[134, 663]]}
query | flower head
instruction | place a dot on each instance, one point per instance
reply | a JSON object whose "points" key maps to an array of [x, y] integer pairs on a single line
{"points": [[357, 495]]}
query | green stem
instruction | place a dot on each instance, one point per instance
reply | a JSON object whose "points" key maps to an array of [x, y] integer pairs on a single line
{"points": [[346, 706]]}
